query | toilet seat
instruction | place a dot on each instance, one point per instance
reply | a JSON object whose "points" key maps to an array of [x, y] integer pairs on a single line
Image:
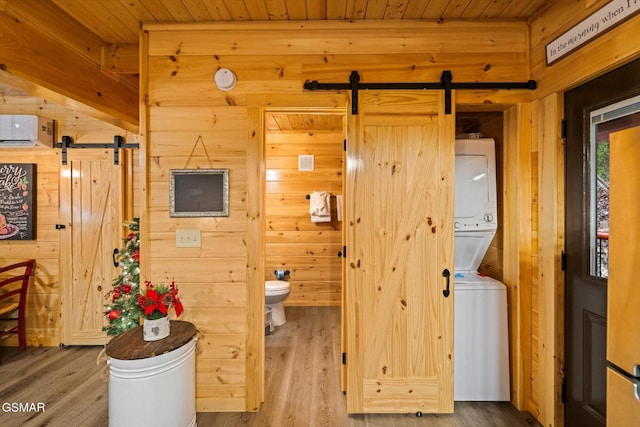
{"points": [[276, 286]]}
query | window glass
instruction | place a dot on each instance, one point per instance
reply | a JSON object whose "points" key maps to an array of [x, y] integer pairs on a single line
{"points": [[604, 122]]}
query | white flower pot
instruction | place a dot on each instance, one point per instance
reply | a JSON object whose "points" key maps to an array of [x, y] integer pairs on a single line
{"points": [[156, 329]]}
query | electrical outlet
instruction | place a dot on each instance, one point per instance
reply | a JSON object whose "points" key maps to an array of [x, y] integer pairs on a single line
{"points": [[188, 239]]}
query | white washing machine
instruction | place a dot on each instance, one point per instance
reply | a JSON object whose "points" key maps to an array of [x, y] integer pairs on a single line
{"points": [[481, 344]]}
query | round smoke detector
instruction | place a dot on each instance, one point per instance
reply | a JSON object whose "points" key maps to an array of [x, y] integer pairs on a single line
{"points": [[225, 79]]}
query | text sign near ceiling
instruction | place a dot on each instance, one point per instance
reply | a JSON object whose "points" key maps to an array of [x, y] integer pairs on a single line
{"points": [[610, 15]]}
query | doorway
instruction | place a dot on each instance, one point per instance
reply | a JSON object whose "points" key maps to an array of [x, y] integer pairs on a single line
{"points": [[593, 111], [91, 210], [303, 152]]}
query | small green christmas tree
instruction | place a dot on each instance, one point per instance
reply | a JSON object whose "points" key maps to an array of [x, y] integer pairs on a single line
{"points": [[124, 312]]}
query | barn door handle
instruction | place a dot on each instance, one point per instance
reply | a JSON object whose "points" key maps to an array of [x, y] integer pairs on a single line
{"points": [[115, 253], [446, 274]]}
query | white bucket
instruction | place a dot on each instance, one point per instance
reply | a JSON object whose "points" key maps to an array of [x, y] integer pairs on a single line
{"points": [[156, 391]]}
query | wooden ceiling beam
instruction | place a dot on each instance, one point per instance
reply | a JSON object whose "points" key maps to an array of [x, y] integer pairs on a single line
{"points": [[56, 64]]}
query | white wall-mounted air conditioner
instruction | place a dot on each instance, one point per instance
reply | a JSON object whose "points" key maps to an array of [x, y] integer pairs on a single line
{"points": [[21, 130]]}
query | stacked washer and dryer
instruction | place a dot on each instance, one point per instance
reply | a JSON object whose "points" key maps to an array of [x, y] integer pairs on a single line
{"points": [[481, 368]]}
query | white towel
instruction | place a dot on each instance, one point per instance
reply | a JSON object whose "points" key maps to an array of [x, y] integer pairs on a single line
{"points": [[320, 206]]}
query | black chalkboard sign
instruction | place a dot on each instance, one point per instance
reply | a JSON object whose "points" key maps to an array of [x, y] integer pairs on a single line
{"points": [[17, 201], [198, 192]]}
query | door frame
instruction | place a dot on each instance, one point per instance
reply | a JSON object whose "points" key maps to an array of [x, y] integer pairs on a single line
{"points": [[257, 106], [517, 230], [66, 243], [595, 94]]}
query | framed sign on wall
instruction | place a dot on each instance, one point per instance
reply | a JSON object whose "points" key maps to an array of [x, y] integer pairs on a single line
{"points": [[198, 192], [17, 201]]}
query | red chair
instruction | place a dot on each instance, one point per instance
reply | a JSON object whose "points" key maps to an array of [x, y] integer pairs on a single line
{"points": [[13, 296]]}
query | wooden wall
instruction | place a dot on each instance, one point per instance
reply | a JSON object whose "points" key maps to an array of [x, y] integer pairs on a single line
{"points": [[44, 314], [617, 47], [222, 282], [308, 250]]}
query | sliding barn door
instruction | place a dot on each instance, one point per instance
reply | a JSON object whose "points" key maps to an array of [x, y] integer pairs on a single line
{"points": [[91, 204], [400, 171]]}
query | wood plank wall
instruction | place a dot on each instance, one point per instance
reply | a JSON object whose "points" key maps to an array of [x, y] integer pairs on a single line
{"points": [[44, 315], [222, 294], [617, 47], [43, 302], [308, 250]]}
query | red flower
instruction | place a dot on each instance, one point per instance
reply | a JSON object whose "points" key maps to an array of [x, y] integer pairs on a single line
{"points": [[126, 289], [156, 301], [136, 255]]}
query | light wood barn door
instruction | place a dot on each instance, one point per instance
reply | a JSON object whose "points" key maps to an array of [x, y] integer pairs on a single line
{"points": [[91, 193], [400, 170]]}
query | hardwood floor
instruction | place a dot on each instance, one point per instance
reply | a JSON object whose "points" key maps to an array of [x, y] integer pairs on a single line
{"points": [[302, 385]]}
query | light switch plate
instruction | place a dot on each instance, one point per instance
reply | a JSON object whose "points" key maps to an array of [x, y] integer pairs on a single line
{"points": [[188, 239]]}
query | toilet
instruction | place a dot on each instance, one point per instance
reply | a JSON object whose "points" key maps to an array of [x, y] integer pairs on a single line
{"points": [[275, 291]]}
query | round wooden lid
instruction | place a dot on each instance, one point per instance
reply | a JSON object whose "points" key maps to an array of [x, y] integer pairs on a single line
{"points": [[130, 345]]}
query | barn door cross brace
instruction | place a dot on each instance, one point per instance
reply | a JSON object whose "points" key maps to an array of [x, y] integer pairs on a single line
{"points": [[446, 83], [117, 145]]}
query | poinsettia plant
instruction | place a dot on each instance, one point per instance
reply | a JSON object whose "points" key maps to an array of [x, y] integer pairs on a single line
{"points": [[156, 300]]}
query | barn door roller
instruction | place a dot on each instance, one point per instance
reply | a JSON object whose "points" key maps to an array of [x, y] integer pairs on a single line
{"points": [[117, 145], [446, 83]]}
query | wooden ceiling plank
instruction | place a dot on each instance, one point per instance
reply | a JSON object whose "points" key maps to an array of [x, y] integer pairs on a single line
{"points": [[157, 11], [282, 120], [495, 8], [296, 121], [415, 9], [257, 10], [277, 9], [455, 9], [317, 9], [533, 7], [198, 10], [122, 19], [474, 10], [25, 50], [435, 9], [137, 9], [375, 9], [337, 9], [231, 10], [270, 123], [395, 9], [296, 10], [310, 121], [178, 10], [355, 9], [515, 8]]}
